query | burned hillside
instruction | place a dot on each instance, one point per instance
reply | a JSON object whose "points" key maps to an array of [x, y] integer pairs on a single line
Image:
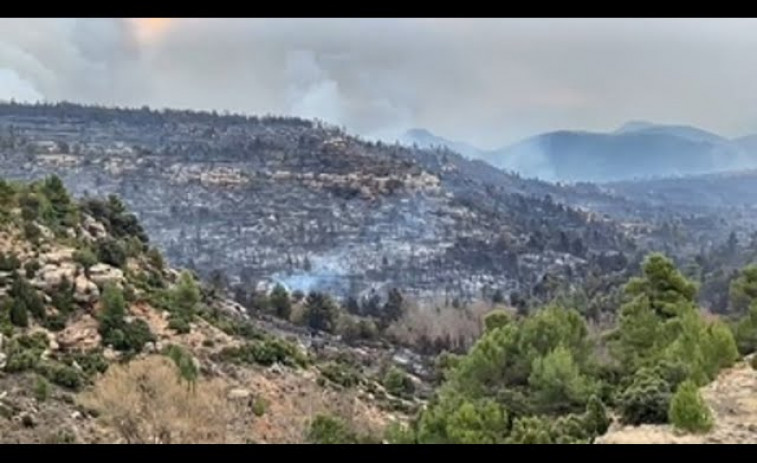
{"points": [[279, 199]]}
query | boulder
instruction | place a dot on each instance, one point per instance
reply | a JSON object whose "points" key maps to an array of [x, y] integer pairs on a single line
{"points": [[93, 228], [239, 394], [84, 290], [57, 256], [81, 334]]}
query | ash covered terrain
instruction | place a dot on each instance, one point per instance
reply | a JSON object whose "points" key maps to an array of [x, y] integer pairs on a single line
{"points": [[259, 200]]}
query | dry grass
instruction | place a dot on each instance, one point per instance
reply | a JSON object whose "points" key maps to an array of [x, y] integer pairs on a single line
{"points": [[439, 322], [145, 403]]}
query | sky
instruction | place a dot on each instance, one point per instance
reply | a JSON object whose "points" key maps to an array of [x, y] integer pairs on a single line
{"points": [[489, 82]]}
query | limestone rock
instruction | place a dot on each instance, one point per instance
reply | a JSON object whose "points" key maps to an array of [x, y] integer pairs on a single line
{"points": [[104, 273], [84, 290], [93, 228], [50, 276], [57, 256], [239, 394], [81, 334]]}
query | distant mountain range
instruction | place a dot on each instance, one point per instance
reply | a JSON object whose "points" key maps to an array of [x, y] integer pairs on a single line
{"points": [[636, 150]]}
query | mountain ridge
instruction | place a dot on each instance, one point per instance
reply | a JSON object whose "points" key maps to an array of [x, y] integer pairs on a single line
{"points": [[644, 149]]}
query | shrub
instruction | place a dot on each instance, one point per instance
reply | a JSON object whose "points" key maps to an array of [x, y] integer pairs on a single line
{"points": [[596, 419], [6, 325], [31, 268], [398, 383], [396, 433], [127, 337], [557, 382], [530, 430], [114, 310], [754, 362], [62, 375], [367, 329], [179, 324], [111, 252], [259, 406], [21, 361], [32, 232], [41, 388], [24, 352], [266, 353], [24, 293], [721, 348], [320, 312], [155, 259], [85, 257], [37, 341], [340, 374], [133, 246], [184, 363], [496, 319], [571, 429], [688, 411], [63, 297], [56, 322], [280, 302], [646, 400], [9, 262], [185, 294], [91, 362], [327, 429], [136, 335], [18, 313]]}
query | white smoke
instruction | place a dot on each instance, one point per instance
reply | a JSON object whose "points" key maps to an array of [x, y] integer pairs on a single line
{"points": [[84, 60], [13, 87], [311, 93], [480, 80]]}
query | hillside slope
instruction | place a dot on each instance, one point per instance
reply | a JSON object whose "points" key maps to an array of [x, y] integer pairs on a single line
{"points": [[100, 342], [289, 200]]}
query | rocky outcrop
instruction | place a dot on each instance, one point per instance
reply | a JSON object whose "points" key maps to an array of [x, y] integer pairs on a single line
{"points": [[50, 276], [92, 229], [81, 334], [85, 291], [102, 274]]}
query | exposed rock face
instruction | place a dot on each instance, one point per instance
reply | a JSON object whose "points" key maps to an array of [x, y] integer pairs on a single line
{"points": [[102, 274], [79, 335], [85, 291], [92, 229], [50, 276], [57, 256]]}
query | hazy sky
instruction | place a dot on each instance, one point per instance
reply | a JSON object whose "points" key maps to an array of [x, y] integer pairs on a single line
{"points": [[486, 81]]}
